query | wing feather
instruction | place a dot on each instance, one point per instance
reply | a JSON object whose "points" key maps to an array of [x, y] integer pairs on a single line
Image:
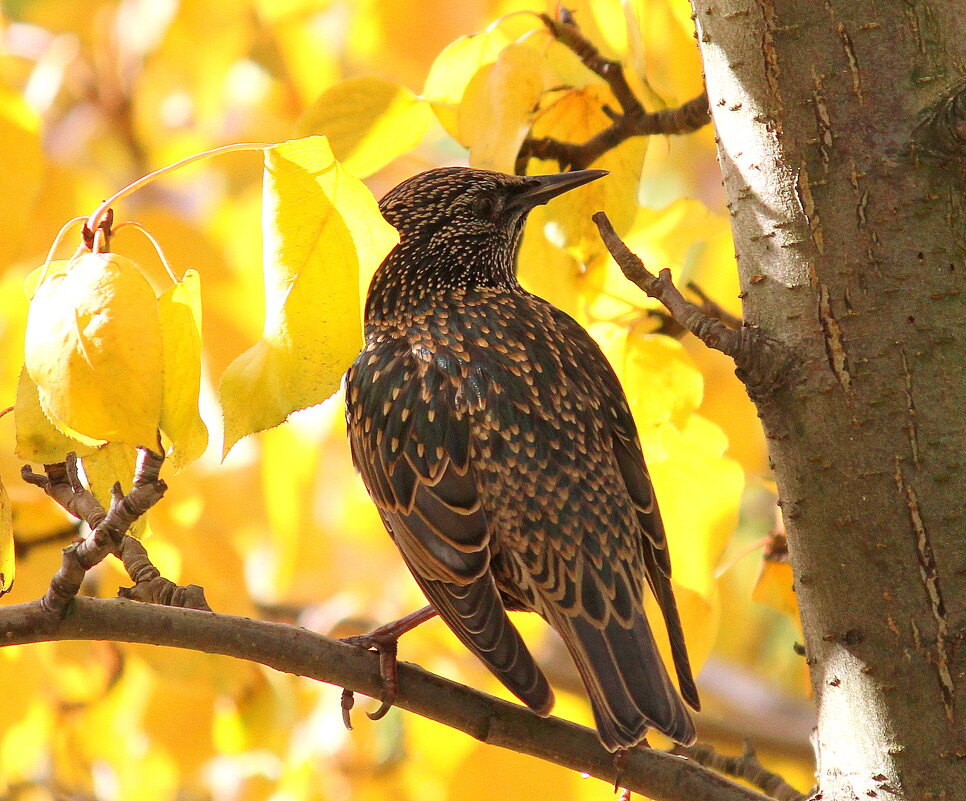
{"points": [[418, 472]]}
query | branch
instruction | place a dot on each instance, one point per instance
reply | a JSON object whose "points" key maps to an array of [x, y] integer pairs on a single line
{"points": [[657, 775], [745, 767], [633, 120], [108, 534], [762, 365]]}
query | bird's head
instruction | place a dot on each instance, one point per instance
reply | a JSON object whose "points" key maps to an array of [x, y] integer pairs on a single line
{"points": [[460, 226]]}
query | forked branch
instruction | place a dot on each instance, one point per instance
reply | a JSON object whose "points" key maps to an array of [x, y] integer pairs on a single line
{"points": [[108, 534], [631, 120], [762, 365]]}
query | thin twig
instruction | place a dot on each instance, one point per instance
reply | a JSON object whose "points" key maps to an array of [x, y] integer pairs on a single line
{"points": [[659, 776], [632, 120], [745, 767], [762, 365]]}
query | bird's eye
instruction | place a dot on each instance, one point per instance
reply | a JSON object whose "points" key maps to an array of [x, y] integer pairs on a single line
{"points": [[485, 206]]}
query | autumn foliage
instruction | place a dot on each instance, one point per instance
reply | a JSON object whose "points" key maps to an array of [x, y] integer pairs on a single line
{"points": [[241, 311]]}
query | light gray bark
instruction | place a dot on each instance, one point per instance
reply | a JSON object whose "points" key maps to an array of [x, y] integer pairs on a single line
{"points": [[842, 140]]}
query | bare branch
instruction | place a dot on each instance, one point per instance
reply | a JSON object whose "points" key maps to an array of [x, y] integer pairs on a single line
{"points": [[632, 120], [660, 776], [761, 365], [108, 534]]}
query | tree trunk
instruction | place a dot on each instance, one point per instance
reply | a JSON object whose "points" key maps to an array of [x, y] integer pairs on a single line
{"points": [[842, 139]]}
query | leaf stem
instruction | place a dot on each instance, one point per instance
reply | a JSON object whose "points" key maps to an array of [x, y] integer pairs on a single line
{"points": [[94, 220], [157, 246]]}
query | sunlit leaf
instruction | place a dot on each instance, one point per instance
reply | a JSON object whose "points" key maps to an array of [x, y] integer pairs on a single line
{"points": [[698, 489], [549, 271], [38, 439], [323, 230], [676, 236], [300, 558], [93, 347], [700, 619], [662, 382], [368, 122], [497, 107], [453, 70], [25, 745], [108, 465], [180, 316]]}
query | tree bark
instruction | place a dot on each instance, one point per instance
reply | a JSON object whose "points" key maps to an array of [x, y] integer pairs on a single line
{"points": [[842, 139]]}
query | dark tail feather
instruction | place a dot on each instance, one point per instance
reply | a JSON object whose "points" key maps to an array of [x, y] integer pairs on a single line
{"points": [[476, 615], [629, 688], [661, 587]]}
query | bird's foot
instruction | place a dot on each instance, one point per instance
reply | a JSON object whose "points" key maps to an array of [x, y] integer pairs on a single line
{"points": [[384, 641], [386, 645]]}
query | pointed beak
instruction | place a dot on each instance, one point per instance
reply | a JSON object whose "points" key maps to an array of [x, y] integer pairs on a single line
{"points": [[538, 189]]}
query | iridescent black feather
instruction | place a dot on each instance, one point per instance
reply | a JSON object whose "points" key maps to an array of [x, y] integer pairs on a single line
{"points": [[498, 445]]}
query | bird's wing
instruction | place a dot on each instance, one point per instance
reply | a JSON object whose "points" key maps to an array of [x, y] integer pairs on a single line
{"points": [[411, 442], [654, 550]]}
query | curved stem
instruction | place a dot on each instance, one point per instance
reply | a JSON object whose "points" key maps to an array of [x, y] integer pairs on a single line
{"points": [[157, 246], [94, 220]]}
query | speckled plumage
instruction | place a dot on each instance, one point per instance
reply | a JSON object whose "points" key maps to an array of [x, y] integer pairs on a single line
{"points": [[498, 445]]}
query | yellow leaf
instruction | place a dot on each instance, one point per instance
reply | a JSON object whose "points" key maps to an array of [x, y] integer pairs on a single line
{"points": [[113, 463], [700, 619], [549, 271], [775, 586], [497, 107], [303, 52], [677, 237], [368, 122], [24, 748], [179, 310], [38, 439], [93, 347], [576, 115], [7, 565], [453, 70], [699, 491], [661, 381], [323, 234]]}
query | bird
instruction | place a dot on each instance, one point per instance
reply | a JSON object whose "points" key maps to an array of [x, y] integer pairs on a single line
{"points": [[499, 447]]}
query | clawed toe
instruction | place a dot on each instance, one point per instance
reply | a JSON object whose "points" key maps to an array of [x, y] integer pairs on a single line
{"points": [[386, 645], [384, 641]]}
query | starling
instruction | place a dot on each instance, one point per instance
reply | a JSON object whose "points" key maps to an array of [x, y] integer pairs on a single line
{"points": [[499, 448]]}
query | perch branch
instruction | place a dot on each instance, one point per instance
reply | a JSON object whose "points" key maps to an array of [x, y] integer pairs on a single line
{"points": [[761, 365], [632, 120], [659, 776]]}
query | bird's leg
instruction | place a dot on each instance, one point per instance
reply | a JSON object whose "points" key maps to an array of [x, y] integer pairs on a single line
{"points": [[384, 641]]}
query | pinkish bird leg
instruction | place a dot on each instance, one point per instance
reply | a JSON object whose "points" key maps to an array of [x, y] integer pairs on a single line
{"points": [[384, 641]]}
